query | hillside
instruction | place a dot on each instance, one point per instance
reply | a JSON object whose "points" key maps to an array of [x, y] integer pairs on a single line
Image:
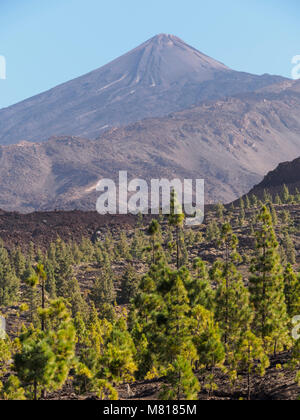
{"points": [[287, 173], [231, 143]]}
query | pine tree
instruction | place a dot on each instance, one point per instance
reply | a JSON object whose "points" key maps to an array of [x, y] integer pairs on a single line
{"points": [[182, 383], [153, 231], [76, 253], [242, 218], [289, 248], [220, 212], [19, 263], [294, 363], [161, 314], [31, 253], [148, 301], [199, 288], [137, 245], [12, 390], [32, 295], [207, 339], [248, 203], [9, 283], [177, 338], [35, 360], [267, 198], [50, 285], [292, 291], [44, 358], [267, 288], [130, 284], [274, 215], [254, 201], [212, 232], [123, 247], [143, 358], [147, 318], [119, 354], [99, 257], [5, 355], [199, 238], [29, 270], [39, 256], [140, 220], [76, 299], [63, 268], [91, 336], [184, 260], [176, 219], [104, 390], [283, 257], [190, 237], [103, 290], [87, 250], [41, 280], [233, 312], [286, 219], [109, 245], [252, 358], [285, 195], [278, 200]]}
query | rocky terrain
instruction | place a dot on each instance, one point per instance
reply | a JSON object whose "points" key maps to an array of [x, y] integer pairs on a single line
{"points": [[42, 228], [231, 143]]}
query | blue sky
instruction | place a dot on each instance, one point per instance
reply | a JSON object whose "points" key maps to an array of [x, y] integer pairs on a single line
{"points": [[47, 42]]}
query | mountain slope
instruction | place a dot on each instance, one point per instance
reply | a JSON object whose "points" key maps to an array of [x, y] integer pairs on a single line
{"points": [[162, 75], [286, 173], [231, 143]]}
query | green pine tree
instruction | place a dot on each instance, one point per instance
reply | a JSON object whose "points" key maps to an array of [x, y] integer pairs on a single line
{"points": [[44, 358], [176, 219], [199, 288], [103, 290], [182, 383], [252, 358], [9, 283], [12, 390], [267, 287], [130, 284], [292, 291], [233, 312]]}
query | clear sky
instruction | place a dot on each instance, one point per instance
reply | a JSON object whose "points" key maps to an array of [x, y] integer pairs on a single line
{"points": [[47, 42]]}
